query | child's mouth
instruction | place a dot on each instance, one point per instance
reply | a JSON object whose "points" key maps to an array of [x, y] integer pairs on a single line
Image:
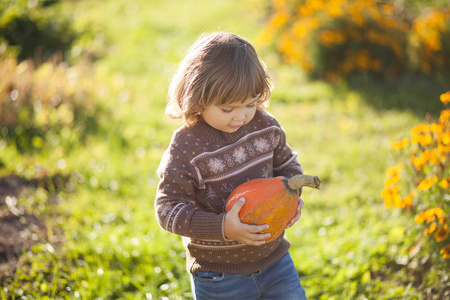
{"points": [[236, 126]]}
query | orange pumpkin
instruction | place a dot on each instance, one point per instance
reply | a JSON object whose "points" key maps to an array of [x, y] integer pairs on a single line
{"points": [[271, 201]]}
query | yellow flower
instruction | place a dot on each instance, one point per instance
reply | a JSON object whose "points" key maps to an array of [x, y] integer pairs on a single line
{"points": [[436, 20], [400, 144], [433, 156], [423, 139], [429, 215], [279, 19], [427, 183], [445, 138], [444, 184], [407, 202], [445, 98], [394, 170], [430, 229], [391, 196], [334, 10], [436, 127], [279, 3], [441, 234], [363, 59], [445, 116], [388, 9], [446, 252], [420, 218], [443, 149], [391, 180], [418, 162], [419, 129], [329, 37]]}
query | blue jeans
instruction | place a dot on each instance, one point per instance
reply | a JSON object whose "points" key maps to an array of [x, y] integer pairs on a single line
{"points": [[278, 281]]}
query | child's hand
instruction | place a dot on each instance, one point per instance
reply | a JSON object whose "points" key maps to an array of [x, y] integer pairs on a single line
{"points": [[298, 214], [235, 230]]}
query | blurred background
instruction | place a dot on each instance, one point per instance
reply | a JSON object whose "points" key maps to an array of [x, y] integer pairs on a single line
{"points": [[361, 88]]}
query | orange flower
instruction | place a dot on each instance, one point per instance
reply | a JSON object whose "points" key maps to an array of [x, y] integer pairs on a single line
{"points": [[445, 98], [427, 183], [441, 234], [446, 252]]}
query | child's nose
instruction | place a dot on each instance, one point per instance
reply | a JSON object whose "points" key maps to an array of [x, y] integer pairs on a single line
{"points": [[240, 115]]}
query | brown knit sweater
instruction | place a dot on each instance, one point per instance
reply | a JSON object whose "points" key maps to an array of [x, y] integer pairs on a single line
{"points": [[199, 170]]}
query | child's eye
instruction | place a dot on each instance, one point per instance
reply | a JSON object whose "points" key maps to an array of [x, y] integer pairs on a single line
{"points": [[252, 105], [227, 111]]}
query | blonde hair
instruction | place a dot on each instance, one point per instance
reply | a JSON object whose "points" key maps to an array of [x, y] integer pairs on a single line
{"points": [[219, 68]]}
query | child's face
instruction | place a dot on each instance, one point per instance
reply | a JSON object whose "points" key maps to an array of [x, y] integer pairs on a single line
{"points": [[230, 117]]}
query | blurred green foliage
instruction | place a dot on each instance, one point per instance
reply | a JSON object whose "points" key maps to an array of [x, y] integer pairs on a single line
{"points": [[35, 32]]}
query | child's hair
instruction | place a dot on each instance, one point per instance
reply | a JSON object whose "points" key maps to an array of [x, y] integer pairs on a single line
{"points": [[219, 68]]}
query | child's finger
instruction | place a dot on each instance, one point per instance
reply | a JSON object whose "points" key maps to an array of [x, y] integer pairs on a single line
{"points": [[294, 219], [255, 228], [237, 206], [298, 214], [257, 238], [300, 204]]}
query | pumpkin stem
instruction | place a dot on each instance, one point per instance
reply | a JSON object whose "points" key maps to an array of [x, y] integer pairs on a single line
{"points": [[298, 181]]}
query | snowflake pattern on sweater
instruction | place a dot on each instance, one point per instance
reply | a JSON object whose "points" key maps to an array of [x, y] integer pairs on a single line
{"points": [[246, 152]]}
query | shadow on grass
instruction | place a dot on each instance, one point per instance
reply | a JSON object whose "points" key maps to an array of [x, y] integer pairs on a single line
{"points": [[415, 93]]}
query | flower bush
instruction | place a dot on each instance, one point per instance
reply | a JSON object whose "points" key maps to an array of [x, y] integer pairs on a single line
{"points": [[421, 184], [340, 38], [44, 105], [430, 42]]}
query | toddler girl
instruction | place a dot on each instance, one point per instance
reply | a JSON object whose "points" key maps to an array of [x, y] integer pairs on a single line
{"points": [[220, 91]]}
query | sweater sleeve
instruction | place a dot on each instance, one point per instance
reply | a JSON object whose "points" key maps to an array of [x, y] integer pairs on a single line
{"points": [[175, 205], [285, 160]]}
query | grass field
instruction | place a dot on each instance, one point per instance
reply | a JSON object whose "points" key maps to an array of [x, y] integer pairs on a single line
{"points": [[346, 244]]}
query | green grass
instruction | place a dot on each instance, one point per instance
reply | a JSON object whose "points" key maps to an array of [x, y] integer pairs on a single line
{"points": [[345, 246]]}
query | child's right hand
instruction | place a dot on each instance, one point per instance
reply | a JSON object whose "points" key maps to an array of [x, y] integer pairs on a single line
{"points": [[235, 230]]}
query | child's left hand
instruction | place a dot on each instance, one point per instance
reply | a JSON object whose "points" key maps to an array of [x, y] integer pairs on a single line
{"points": [[298, 214]]}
